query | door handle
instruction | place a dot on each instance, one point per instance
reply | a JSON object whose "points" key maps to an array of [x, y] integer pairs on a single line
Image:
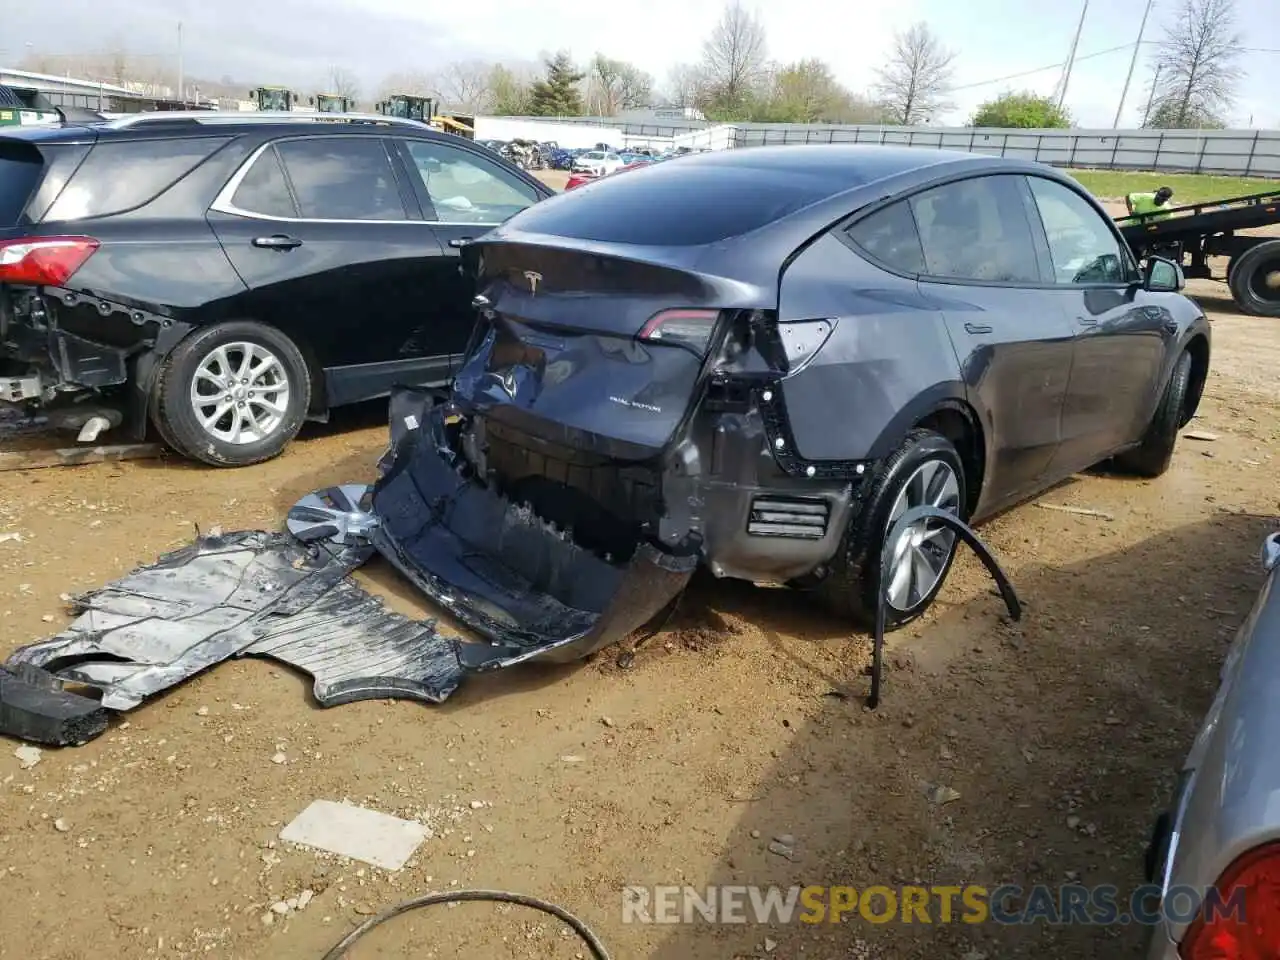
{"points": [[277, 242], [459, 242], [1087, 321], [977, 328]]}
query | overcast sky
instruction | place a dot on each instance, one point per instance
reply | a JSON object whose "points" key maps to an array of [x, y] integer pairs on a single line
{"points": [[295, 42]]}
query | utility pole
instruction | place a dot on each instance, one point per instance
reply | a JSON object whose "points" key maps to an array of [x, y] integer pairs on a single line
{"points": [[1155, 82], [180, 77], [1133, 62], [1071, 58]]}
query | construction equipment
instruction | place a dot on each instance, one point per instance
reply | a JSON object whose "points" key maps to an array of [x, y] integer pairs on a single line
{"points": [[19, 107], [273, 98], [333, 103], [404, 106], [456, 124]]}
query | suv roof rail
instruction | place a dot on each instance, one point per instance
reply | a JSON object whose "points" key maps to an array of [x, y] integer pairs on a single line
{"points": [[214, 118]]}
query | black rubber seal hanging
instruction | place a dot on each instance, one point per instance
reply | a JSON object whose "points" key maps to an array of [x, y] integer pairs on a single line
{"points": [[965, 533]]}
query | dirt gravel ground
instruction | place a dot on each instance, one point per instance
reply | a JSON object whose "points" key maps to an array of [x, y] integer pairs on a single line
{"points": [[741, 723]]}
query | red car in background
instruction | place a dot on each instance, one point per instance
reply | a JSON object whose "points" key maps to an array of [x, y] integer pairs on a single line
{"points": [[578, 179]]}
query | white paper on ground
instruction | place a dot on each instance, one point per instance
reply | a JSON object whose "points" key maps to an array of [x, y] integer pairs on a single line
{"points": [[349, 831]]}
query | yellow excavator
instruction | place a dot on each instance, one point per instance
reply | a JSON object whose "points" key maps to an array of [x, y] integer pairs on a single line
{"points": [[274, 98], [408, 107], [333, 103]]}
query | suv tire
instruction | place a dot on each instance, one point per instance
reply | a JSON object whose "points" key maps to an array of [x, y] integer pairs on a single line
{"points": [[251, 376], [924, 469], [1152, 456]]}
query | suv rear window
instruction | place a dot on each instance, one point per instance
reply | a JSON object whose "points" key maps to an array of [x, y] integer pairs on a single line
{"points": [[675, 207], [120, 175], [20, 169]]}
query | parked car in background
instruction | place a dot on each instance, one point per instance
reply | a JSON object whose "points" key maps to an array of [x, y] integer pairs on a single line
{"points": [[759, 359], [226, 277], [597, 162], [581, 179], [1223, 828]]}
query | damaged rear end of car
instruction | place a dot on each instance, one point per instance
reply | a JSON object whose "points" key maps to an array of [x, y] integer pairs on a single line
{"points": [[616, 423]]}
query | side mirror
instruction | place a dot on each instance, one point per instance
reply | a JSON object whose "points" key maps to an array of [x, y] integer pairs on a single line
{"points": [[1162, 276]]}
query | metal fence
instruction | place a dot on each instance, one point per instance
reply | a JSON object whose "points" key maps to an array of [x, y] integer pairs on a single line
{"points": [[1253, 153], [1240, 153]]}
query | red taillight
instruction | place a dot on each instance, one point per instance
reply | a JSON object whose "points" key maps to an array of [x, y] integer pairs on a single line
{"points": [[1230, 928], [690, 328], [43, 261]]}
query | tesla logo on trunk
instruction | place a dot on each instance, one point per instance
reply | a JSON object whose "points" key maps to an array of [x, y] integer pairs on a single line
{"points": [[534, 279]]}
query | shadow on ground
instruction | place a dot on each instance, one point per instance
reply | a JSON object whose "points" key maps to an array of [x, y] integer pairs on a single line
{"points": [[975, 704]]}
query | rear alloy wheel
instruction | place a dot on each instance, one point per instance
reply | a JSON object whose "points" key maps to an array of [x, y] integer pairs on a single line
{"points": [[1254, 279], [925, 470], [233, 395]]}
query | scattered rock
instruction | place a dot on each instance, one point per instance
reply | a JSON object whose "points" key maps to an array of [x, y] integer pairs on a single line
{"points": [[944, 753], [477, 804], [770, 945], [782, 849], [278, 758], [305, 898], [28, 757], [571, 758], [61, 825], [1113, 721], [10, 537], [607, 721], [1204, 435], [942, 794], [755, 834], [202, 712], [1073, 823], [1072, 875], [280, 908], [363, 909], [47, 618]]}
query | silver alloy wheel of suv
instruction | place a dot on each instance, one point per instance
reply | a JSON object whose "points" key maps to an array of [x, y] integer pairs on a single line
{"points": [[240, 393]]}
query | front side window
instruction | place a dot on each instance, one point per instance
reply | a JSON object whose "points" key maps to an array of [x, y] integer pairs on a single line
{"points": [[1083, 247], [264, 189], [342, 178], [976, 229], [889, 236], [466, 188]]}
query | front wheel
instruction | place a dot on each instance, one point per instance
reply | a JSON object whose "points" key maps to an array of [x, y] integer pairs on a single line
{"points": [[233, 394], [925, 470], [1152, 456]]}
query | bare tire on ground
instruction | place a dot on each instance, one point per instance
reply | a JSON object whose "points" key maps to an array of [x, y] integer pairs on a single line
{"points": [[1254, 279], [232, 394], [1153, 455], [924, 470]]}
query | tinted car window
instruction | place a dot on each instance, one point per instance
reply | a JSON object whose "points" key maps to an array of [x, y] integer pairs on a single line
{"points": [[669, 205], [20, 169], [342, 178], [1083, 248], [264, 189], [465, 188], [122, 175], [890, 236], [976, 229]]}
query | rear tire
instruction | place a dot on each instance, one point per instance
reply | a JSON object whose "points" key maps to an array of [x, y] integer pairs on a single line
{"points": [[1152, 456], [1254, 279], [925, 468], [232, 394]]}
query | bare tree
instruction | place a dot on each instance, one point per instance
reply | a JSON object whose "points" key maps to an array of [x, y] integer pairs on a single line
{"points": [[465, 85], [733, 57], [413, 84], [118, 65], [342, 82], [614, 85], [916, 79], [686, 86], [1196, 70]]}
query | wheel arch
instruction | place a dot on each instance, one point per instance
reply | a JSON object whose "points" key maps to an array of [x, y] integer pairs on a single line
{"points": [[1198, 347]]}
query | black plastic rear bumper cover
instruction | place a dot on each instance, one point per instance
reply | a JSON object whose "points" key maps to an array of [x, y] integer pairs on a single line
{"points": [[498, 568]]}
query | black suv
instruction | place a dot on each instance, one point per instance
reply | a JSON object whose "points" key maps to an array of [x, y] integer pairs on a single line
{"points": [[225, 277]]}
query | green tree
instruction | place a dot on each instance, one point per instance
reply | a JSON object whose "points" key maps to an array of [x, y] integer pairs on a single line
{"points": [[1024, 110], [557, 94], [510, 94]]}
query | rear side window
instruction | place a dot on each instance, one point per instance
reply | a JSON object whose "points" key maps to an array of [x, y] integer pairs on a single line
{"points": [[122, 175], [264, 189], [976, 229], [342, 178], [20, 169], [890, 236]]}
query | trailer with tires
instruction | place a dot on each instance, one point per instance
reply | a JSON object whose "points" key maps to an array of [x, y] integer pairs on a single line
{"points": [[1191, 234]]}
